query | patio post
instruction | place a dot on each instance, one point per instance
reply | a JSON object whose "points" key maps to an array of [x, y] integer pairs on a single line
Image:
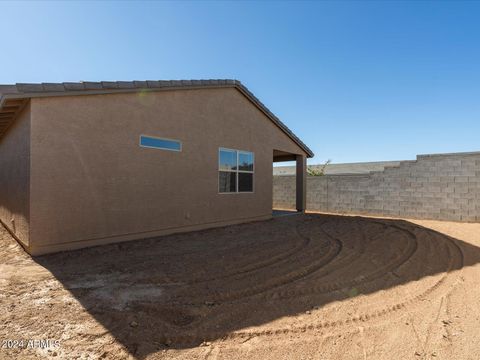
{"points": [[301, 179]]}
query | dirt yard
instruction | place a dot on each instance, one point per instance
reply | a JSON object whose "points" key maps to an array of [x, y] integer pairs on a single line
{"points": [[296, 287]]}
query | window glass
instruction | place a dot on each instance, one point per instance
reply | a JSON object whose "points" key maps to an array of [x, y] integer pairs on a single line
{"points": [[228, 159], [235, 171], [227, 181], [165, 144], [245, 182], [245, 161]]}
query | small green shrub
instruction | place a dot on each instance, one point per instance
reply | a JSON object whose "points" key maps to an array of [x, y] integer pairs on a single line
{"points": [[318, 172]]}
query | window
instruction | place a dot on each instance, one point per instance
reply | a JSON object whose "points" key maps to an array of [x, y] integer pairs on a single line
{"points": [[235, 171], [159, 143]]}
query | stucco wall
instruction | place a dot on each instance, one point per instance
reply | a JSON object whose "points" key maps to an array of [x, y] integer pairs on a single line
{"points": [[14, 177], [93, 183], [443, 187]]}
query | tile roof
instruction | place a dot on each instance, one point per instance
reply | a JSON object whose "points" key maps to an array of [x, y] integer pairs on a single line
{"points": [[25, 91]]}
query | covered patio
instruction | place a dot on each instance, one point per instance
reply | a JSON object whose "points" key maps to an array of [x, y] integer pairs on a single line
{"points": [[300, 176]]}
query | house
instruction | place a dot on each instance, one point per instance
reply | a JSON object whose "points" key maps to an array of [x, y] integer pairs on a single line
{"points": [[91, 163]]}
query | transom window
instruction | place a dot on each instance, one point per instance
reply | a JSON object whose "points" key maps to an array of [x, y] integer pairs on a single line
{"points": [[235, 171], [160, 143]]}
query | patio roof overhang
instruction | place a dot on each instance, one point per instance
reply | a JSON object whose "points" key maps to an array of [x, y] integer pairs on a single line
{"points": [[9, 109]]}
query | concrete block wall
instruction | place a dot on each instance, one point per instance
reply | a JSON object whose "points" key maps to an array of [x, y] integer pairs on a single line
{"points": [[440, 187], [284, 192]]}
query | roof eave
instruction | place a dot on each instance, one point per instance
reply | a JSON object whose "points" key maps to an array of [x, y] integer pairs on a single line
{"points": [[244, 90], [170, 85]]}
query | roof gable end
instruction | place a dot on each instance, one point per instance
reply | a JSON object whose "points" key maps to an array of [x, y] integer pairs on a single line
{"points": [[19, 93]]}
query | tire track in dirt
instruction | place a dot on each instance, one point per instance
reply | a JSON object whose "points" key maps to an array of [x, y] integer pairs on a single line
{"points": [[334, 286], [337, 285], [302, 273], [401, 260], [252, 267], [334, 248], [358, 245], [455, 261], [305, 241]]}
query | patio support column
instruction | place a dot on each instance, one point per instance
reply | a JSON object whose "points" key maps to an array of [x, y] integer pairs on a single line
{"points": [[301, 179]]}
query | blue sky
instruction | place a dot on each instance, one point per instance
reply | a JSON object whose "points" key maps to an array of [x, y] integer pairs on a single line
{"points": [[357, 81]]}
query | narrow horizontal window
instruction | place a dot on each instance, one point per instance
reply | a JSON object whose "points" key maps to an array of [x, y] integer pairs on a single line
{"points": [[159, 143]]}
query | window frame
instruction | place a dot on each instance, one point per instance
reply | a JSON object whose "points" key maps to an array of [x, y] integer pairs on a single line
{"points": [[236, 171], [159, 138]]}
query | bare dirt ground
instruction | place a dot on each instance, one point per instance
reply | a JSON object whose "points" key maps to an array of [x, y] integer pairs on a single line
{"points": [[297, 287]]}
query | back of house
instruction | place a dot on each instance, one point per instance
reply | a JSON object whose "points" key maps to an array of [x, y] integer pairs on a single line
{"points": [[86, 164]]}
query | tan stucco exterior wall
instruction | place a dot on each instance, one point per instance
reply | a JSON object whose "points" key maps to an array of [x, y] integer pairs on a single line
{"points": [[14, 177], [92, 183]]}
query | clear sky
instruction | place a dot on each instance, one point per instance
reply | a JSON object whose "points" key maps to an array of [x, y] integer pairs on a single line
{"points": [[357, 81]]}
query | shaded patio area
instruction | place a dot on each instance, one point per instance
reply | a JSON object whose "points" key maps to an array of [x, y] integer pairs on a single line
{"points": [[279, 213]]}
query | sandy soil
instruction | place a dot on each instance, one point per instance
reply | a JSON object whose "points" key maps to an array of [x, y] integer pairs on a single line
{"points": [[297, 287]]}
